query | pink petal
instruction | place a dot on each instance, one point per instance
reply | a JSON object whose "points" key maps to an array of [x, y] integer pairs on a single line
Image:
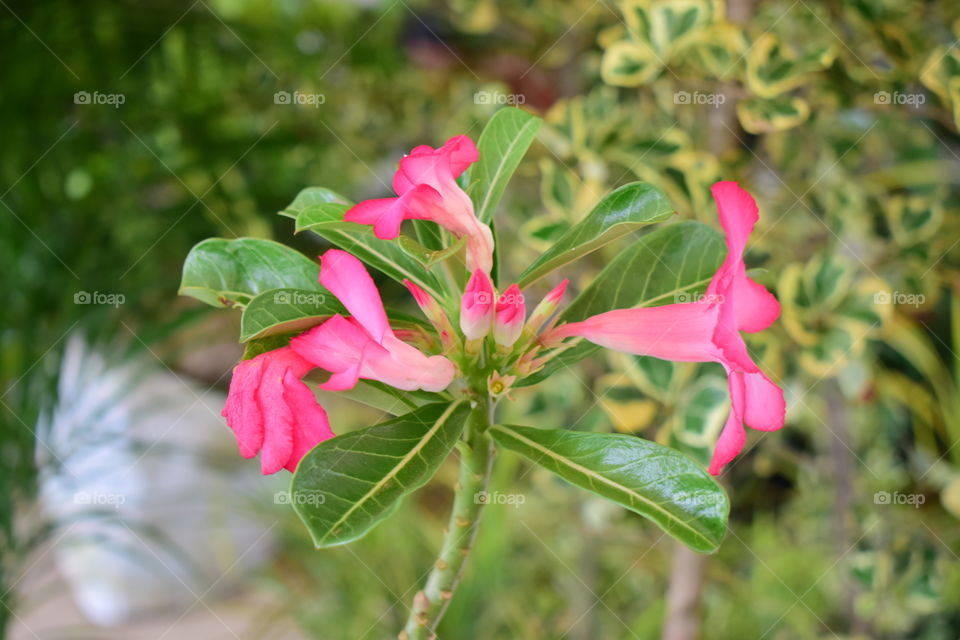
{"points": [[757, 309], [764, 406], [241, 409], [348, 280], [405, 367], [733, 436], [339, 346], [385, 214], [738, 213], [477, 306], [682, 332], [311, 425]]}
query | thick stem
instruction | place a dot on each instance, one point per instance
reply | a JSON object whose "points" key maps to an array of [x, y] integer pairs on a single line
{"points": [[476, 460]]}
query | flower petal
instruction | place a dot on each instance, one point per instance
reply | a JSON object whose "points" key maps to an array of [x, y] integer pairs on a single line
{"points": [[339, 345], [682, 331], [764, 406], [405, 367], [348, 280], [733, 437], [241, 409], [311, 425]]}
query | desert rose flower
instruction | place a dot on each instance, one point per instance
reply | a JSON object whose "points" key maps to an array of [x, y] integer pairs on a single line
{"points": [[271, 411], [364, 345], [707, 330], [427, 189]]}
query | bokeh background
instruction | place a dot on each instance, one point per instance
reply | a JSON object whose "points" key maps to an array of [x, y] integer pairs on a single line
{"points": [[132, 130]]}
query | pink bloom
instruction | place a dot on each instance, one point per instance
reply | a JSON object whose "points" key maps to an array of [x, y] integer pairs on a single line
{"points": [[364, 345], [510, 313], [272, 411], [707, 330], [477, 306], [427, 189]]}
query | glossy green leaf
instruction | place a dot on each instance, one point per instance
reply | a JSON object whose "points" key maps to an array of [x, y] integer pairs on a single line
{"points": [[347, 485], [227, 273], [672, 264], [655, 481], [286, 310], [326, 220], [389, 399], [502, 145], [622, 211], [311, 197]]}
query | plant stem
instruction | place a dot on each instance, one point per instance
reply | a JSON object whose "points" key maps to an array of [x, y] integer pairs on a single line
{"points": [[476, 460]]}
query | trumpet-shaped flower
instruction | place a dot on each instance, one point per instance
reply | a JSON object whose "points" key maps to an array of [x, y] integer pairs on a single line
{"points": [[707, 330], [427, 189], [271, 411], [364, 345]]}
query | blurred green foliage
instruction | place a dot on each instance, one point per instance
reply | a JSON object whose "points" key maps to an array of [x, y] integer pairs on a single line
{"points": [[840, 117]]}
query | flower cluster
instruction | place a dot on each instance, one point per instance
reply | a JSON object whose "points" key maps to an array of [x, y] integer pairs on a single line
{"points": [[273, 412]]}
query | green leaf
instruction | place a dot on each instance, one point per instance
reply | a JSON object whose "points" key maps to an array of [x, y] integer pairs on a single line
{"points": [[313, 196], [326, 220], [622, 211], [502, 145], [347, 485], [227, 273], [646, 478], [287, 310], [669, 265], [388, 399]]}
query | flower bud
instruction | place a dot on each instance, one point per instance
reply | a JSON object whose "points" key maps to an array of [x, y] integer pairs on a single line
{"points": [[546, 308], [477, 306], [510, 313], [434, 313]]}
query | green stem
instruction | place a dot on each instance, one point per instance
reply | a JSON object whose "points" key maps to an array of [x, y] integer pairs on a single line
{"points": [[476, 460]]}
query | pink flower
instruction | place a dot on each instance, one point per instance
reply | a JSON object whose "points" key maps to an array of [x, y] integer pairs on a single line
{"points": [[707, 330], [427, 189], [510, 313], [477, 306], [364, 345], [273, 412]]}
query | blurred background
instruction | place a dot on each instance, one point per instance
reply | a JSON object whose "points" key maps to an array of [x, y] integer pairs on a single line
{"points": [[136, 129]]}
